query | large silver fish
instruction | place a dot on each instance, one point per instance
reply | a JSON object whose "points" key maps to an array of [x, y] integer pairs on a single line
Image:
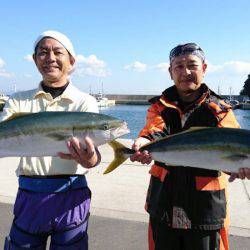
{"points": [[225, 149], [46, 133]]}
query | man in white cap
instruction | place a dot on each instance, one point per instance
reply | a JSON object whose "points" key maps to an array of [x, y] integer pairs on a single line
{"points": [[62, 215]]}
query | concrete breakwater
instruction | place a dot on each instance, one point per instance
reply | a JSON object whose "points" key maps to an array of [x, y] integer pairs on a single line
{"points": [[144, 99], [130, 99]]}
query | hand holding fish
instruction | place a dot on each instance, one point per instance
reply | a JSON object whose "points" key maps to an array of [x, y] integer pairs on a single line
{"points": [[88, 157], [143, 157], [243, 173]]}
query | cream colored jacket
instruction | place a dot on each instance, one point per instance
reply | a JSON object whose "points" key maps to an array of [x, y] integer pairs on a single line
{"points": [[37, 100]]}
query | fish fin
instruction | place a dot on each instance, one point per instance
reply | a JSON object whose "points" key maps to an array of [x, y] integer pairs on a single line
{"points": [[191, 129], [59, 136], [235, 157], [196, 128], [121, 154], [15, 115], [179, 133], [188, 130]]}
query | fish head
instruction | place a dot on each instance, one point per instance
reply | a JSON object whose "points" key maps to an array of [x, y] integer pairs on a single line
{"points": [[103, 129], [109, 130], [119, 129]]}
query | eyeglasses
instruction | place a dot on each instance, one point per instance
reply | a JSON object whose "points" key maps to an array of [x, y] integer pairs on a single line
{"points": [[186, 48]]}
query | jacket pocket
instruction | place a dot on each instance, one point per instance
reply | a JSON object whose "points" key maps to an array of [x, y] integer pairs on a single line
{"points": [[210, 207]]}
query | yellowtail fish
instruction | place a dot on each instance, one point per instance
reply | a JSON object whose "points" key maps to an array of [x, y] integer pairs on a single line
{"points": [[46, 133], [224, 149]]}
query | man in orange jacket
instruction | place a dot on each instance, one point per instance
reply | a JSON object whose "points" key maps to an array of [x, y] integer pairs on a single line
{"points": [[187, 206]]}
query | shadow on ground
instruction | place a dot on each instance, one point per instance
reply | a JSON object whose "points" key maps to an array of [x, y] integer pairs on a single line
{"points": [[107, 233]]}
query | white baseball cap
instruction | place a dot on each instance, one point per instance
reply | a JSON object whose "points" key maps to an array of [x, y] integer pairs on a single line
{"points": [[61, 38]]}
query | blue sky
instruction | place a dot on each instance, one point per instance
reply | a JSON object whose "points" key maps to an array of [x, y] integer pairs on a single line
{"points": [[124, 45]]}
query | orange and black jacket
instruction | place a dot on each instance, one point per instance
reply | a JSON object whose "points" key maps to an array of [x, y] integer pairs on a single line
{"points": [[187, 197]]}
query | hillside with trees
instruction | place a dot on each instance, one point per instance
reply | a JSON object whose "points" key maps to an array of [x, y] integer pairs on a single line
{"points": [[246, 87]]}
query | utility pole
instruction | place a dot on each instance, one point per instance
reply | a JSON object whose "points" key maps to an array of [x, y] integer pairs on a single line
{"points": [[90, 90], [102, 90], [218, 91], [230, 92]]}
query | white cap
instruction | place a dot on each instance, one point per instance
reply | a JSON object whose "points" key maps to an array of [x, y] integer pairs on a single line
{"points": [[61, 38]]}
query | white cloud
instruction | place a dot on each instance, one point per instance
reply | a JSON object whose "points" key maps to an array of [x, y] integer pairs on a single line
{"points": [[91, 66], [28, 58], [3, 72], [162, 67], [231, 67], [142, 67], [27, 75], [228, 76], [136, 66], [2, 63]]}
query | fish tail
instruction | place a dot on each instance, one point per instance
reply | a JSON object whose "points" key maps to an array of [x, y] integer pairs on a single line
{"points": [[121, 154]]}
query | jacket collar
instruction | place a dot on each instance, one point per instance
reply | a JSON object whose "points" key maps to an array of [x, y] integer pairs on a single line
{"points": [[71, 93], [170, 96]]}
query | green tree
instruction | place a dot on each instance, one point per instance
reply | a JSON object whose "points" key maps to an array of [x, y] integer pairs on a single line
{"points": [[246, 87]]}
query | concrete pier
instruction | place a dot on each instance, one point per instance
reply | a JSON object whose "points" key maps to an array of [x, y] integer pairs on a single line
{"points": [[143, 99], [118, 220]]}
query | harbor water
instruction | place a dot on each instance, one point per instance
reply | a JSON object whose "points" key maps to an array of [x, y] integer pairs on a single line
{"points": [[135, 116]]}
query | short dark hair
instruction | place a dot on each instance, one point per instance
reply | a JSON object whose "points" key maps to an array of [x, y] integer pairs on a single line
{"points": [[187, 48]]}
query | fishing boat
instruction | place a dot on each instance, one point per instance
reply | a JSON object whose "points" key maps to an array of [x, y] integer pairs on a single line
{"points": [[103, 101], [234, 103], [245, 105]]}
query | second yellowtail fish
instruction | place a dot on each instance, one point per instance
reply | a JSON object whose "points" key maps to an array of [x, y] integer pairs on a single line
{"points": [[223, 149]]}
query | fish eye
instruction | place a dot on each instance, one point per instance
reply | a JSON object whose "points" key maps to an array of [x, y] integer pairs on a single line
{"points": [[105, 126]]}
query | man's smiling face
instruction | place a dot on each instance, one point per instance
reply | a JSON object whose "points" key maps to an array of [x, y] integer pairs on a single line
{"points": [[53, 61], [187, 72]]}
